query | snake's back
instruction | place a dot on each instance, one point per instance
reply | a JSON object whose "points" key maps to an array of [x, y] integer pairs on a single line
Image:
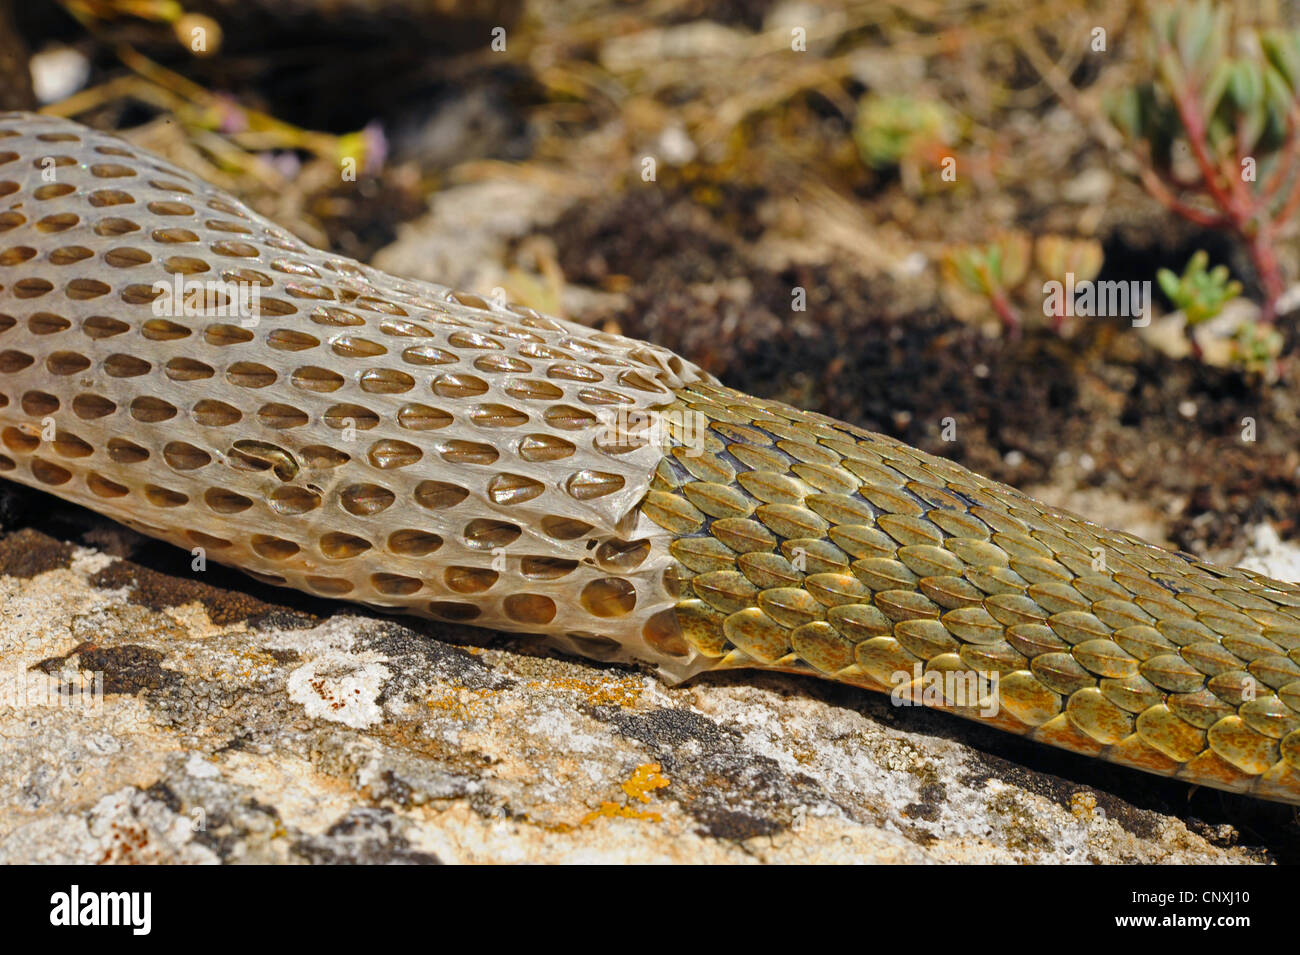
{"points": [[356, 435]]}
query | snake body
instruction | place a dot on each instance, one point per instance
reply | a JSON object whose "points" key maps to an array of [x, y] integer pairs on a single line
{"points": [[325, 426]]}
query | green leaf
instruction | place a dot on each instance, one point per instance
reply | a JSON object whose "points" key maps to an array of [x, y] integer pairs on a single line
{"points": [[993, 259], [1124, 108], [1193, 26], [1245, 84], [968, 272], [1280, 98], [1215, 87], [1282, 48], [1169, 70], [1254, 122], [1169, 285], [1220, 31], [1199, 294]]}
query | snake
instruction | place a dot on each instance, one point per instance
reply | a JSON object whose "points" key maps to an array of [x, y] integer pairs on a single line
{"points": [[180, 364]]}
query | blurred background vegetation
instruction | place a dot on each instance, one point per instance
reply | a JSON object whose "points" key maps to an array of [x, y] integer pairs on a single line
{"points": [[853, 207]]}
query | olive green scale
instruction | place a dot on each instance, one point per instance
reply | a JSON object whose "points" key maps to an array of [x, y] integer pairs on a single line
{"points": [[808, 545]]}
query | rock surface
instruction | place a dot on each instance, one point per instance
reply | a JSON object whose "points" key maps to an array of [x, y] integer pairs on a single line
{"points": [[232, 722]]}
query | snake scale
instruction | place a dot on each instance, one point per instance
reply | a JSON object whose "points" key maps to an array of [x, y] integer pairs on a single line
{"points": [[178, 363]]}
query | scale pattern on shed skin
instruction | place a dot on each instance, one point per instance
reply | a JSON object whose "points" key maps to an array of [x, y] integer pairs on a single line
{"points": [[361, 436], [418, 449]]}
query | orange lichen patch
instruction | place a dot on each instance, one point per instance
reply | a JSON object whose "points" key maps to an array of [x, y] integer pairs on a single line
{"points": [[623, 692], [645, 779], [257, 663], [613, 810], [462, 703]]}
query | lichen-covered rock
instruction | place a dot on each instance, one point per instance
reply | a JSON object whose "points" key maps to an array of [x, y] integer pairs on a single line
{"points": [[154, 714]]}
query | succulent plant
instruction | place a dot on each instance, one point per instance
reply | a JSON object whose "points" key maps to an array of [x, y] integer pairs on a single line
{"points": [[903, 132], [890, 128], [1057, 256], [994, 274], [990, 271], [1237, 116], [1256, 348], [1200, 294]]}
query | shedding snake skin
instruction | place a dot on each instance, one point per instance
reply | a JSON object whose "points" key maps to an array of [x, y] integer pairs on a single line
{"points": [[356, 435]]}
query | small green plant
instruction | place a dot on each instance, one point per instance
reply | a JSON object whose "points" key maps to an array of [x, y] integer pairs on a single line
{"points": [[990, 271], [1015, 270], [1200, 294], [1062, 258], [1256, 348], [1217, 133], [903, 132]]}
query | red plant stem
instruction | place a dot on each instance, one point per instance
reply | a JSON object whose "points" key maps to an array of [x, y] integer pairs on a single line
{"points": [[1270, 272], [1006, 311], [1170, 201], [1190, 116], [998, 299], [1251, 221], [1241, 210]]}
